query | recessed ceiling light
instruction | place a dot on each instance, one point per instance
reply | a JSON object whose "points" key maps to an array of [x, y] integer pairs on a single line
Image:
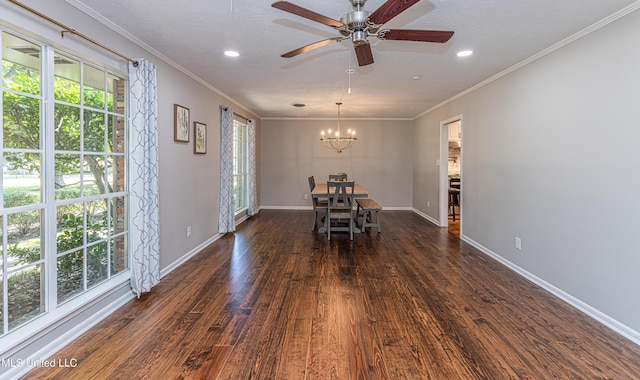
{"points": [[464, 53], [416, 77], [231, 53]]}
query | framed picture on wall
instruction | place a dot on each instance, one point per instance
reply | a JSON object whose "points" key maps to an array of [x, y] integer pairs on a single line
{"points": [[199, 138], [180, 123]]}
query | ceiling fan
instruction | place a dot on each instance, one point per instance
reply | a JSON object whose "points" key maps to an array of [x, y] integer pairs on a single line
{"points": [[359, 25]]}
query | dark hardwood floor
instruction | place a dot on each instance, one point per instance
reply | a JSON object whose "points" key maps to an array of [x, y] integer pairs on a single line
{"points": [[454, 226], [277, 301]]}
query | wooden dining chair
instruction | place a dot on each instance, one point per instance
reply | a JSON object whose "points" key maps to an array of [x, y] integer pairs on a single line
{"points": [[340, 207], [319, 204]]}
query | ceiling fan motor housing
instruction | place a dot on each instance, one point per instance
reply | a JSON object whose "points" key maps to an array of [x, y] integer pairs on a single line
{"points": [[356, 26]]}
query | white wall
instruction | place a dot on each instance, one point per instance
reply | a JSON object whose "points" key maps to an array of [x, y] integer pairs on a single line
{"points": [[291, 151], [550, 155]]}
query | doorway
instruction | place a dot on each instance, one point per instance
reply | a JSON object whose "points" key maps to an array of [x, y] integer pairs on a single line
{"points": [[451, 174]]}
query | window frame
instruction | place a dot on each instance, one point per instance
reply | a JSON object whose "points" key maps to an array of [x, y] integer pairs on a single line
{"points": [[240, 165], [53, 308]]}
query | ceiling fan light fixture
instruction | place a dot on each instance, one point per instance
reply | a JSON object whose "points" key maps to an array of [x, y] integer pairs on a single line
{"points": [[359, 37]]}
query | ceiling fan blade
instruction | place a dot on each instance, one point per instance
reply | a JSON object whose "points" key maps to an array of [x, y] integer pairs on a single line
{"points": [[364, 54], [389, 10], [312, 46], [311, 15], [439, 36]]}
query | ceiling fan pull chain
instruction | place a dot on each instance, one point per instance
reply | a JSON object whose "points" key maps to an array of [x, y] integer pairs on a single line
{"points": [[349, 71]]}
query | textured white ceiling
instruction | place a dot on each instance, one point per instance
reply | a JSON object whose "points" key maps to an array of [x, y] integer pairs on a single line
{"points": [[195, 33]]}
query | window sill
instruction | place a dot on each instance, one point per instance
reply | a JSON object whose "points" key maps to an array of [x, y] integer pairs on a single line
{"points": [[58, 315]]}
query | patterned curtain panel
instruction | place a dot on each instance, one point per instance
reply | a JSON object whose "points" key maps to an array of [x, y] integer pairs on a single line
{"points": [[143, 178], [253, 190], [227, 217]]}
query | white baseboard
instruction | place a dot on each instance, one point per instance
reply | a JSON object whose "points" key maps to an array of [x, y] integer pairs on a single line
{"points": [[80, 322], [79, 325], [171, 267], [592, 312], [83, 323], [427, 217], [311, 208], [286, 208]]}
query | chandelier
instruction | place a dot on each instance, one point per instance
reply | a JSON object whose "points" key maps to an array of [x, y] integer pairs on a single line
{"points": [[336, 141]]}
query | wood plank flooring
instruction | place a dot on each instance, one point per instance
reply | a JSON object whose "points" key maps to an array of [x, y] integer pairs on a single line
{"points": [[277, 301]]}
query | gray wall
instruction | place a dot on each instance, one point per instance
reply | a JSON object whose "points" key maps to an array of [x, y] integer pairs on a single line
{"points": [[291, 151], [550, 155], [188, 183]]}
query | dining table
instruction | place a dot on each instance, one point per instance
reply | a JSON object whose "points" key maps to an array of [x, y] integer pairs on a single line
{"points": [[320, 191]]}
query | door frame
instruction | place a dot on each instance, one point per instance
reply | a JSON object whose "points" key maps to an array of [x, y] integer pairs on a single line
{"points": [[444, 170]]}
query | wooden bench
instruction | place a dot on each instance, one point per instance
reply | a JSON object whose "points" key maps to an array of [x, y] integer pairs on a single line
{"points": [[369, 207]]}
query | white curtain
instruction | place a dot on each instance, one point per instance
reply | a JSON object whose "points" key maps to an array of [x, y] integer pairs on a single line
{"points": [[253, 190], [227, 217], [143, 178]]}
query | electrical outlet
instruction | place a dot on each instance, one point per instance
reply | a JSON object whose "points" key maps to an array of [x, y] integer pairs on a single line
{"points": [[518, 243], [306, 196], [428, 204], [188, 231]]}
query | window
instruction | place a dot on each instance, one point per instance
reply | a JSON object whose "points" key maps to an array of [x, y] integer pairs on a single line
{"points": [[240, 164], [63, 222]]}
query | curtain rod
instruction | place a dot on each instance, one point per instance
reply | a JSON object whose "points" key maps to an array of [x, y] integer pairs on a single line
{"points": [[225, 108], [241, 117], [72, 31]]}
